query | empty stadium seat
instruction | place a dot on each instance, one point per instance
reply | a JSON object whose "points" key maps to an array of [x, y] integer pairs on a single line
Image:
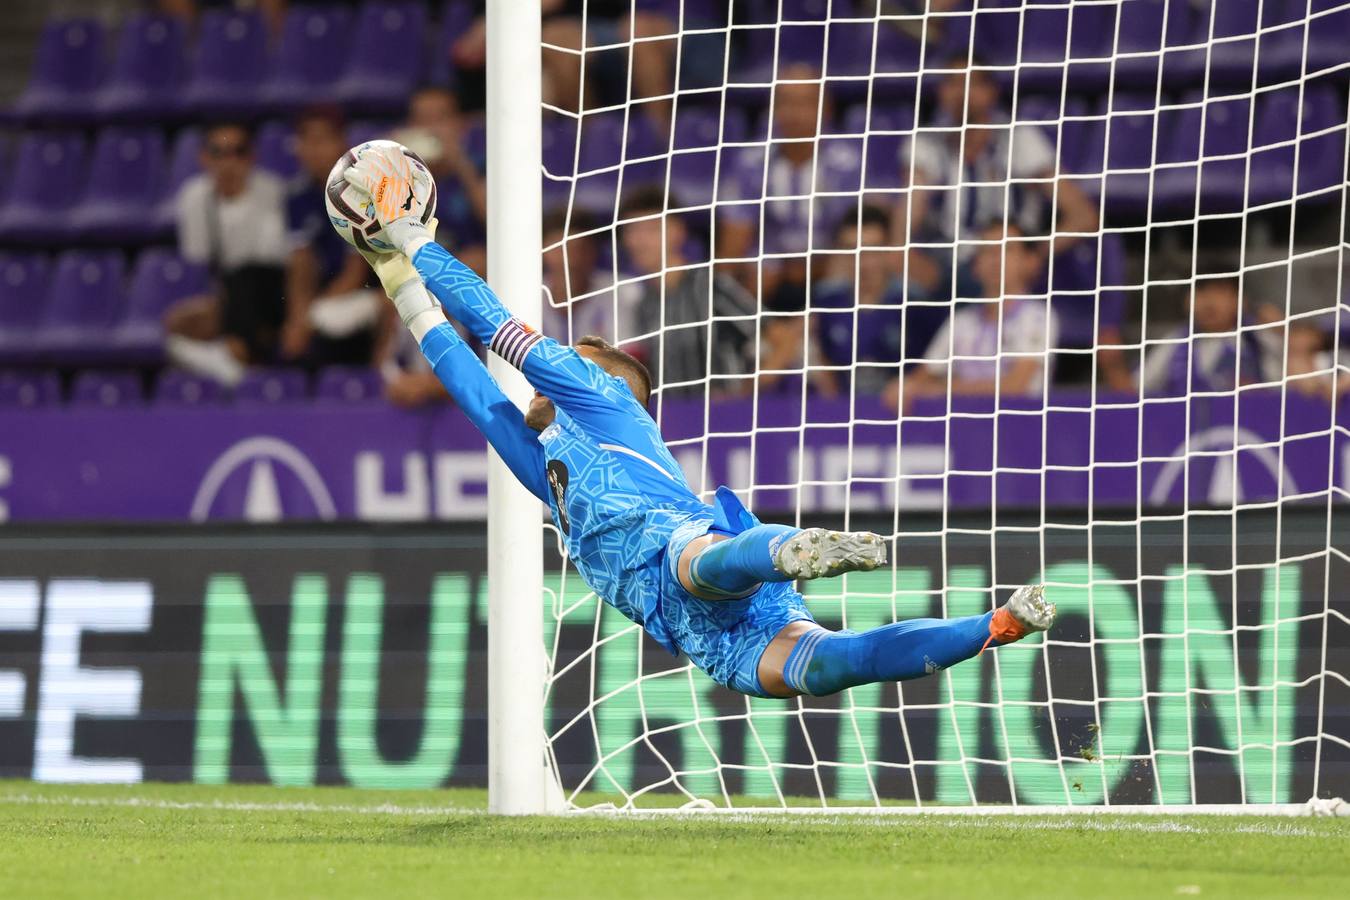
{"points": [[265, 387], [23, 289], [231, 65], [349, 384], [111, 389], [29, 389], [386, 57], [159, 279], [274, 149], [309, 59], [178, 388], [83, 304], [147, 74], [68, 70], [48, 177], [126, 181]]}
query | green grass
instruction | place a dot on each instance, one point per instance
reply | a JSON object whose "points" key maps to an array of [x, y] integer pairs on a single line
{"points": [[260, 842]]}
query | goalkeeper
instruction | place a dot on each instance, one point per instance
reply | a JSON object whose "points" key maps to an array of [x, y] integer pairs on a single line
{"points": [[711, 581]]}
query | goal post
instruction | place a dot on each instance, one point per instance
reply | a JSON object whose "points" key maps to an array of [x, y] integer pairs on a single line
{"points": [[1193, 530], [520, 781]]}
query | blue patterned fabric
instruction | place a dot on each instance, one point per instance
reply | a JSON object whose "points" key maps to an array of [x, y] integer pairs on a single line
{"points": [[616, 494]]}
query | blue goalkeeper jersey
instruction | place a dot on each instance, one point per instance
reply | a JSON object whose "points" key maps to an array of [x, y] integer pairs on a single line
{"points": [[615, 492]]}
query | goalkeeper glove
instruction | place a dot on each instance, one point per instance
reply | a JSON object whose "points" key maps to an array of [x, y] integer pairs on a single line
{"points": [[400, 280], [387, 179]]}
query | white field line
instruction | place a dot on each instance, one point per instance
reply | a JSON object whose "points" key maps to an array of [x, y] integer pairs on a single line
{"points": [[382, 809], [880, 819]]}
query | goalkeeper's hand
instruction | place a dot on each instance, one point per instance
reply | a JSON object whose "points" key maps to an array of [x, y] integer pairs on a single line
{"points": [[387, 179], [395, 269], [400, 280]]}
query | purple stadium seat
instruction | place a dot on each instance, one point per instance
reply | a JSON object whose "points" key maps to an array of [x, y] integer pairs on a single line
{"points": [[1222, 182], [274, 147], [1328, 24], [68, 70], [178, 388], [126, 181], [84, 303], [231, 65], [28, 389], [184, 162], [1321, 158], [386, 57], [48, 176], [23, 288], [1129, 146], [264, 387], [1086, 291], [159, 279], [350, 384], [360, 132], [309, 60], [148, 71], [1146, 28], [111, 389]]}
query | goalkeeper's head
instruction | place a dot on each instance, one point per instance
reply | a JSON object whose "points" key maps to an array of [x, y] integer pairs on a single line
{"points": [[608, 357]]}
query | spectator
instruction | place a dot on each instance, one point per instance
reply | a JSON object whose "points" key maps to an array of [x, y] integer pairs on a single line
{"points": [[329, 310], [973, 164], [435, 130], [1003, 343], [701, 325], [1208, 354], [1306, 356], [231, 217], [580, 298], [867, 316], [777, 185]]}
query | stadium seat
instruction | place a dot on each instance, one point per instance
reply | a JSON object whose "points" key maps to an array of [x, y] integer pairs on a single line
{"points": [[147, 74], [1086, 291], [1328, 24], [159, 279], [1321, 158], [386, 57], [274, 149], [360, 132], [231, 65], [83, 304], [68, 70], [265, 387], [1129, 146], [698, 141], [456, 18], [126, 182], [184, 162], [1221, 182], [29, 389], [23, 288], [350, 384], [1145, 29], [111, 389], [178, 388], [309, 58], [48, 177]]}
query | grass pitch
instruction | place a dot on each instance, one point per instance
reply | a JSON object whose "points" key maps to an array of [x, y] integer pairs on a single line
{"points": [[259, 842]]}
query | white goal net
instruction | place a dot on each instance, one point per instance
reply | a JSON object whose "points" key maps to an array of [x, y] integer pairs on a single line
{"points": [[1040, 291]]}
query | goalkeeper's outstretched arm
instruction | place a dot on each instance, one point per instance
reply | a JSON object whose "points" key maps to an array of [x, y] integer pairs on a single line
{"points": [[463, 373]]}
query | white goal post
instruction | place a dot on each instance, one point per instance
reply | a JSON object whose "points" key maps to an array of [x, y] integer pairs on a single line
{"points": [[1194, 529]]}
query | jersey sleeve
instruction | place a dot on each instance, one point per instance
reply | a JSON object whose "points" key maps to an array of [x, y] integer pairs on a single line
{"points": [[587, 392], [482, 400]]}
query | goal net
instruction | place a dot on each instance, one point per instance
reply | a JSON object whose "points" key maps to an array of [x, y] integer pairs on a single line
{"points": [[1040, 291]]}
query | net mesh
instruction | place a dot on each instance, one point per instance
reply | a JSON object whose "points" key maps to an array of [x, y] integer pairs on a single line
{"points": [[1041, 292]]}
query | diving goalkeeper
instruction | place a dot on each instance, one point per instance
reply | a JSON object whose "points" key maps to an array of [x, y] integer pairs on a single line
{"points": [[711, 581]]}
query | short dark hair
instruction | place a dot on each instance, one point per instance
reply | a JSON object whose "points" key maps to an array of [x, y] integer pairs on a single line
{"points": [[616, 362], [578, 223], [243, 128], [645, 200], [1227, 282], [871, 215]]}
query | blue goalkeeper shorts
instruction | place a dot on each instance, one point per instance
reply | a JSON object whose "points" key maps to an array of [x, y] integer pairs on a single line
{"points": [[726, 638]]}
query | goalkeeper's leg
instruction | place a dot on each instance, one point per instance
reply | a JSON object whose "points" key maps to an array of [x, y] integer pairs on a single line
{"points": [[721, 567], [807, 659]]}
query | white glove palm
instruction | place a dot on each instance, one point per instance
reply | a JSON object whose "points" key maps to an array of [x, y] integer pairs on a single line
{"points": [[387, 178]]}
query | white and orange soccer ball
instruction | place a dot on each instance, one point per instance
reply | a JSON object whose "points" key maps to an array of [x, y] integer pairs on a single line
{"points": [[353, 214]]}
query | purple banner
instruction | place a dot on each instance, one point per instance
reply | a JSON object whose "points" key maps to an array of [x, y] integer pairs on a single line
{"points": [[372, 462]]}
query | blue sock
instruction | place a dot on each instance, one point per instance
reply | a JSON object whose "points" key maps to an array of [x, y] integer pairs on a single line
{"points": [[733, 567], [824, 662]]}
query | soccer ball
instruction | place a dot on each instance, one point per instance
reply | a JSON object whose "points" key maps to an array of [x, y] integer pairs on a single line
{"points": [[353, 215]]}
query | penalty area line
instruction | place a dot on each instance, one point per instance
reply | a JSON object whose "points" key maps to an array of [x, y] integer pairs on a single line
{"points": [[382, 809]]}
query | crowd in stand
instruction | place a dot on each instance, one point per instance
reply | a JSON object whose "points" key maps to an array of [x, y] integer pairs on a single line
{"points": [[941, 263]]}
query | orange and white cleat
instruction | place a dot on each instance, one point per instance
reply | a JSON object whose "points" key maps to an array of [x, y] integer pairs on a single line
{"points": [[1027, 611]]}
